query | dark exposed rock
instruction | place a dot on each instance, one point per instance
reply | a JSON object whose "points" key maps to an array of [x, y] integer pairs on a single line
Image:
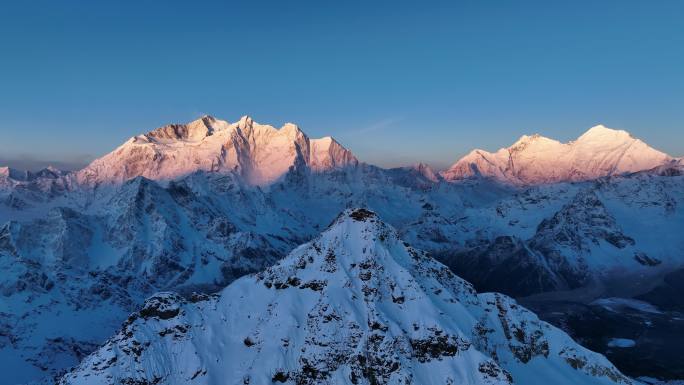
{"points": [[163, 305], [315, 285], [361, 214], [280, 377], [437, 345], [645, 260]]}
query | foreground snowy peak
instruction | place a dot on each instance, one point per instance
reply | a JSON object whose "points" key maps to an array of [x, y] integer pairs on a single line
{"points": [[354, 306], [599, 152], [261, 154]]}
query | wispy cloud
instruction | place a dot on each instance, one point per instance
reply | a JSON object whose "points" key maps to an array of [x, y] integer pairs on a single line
{"points": [[379, 125]]}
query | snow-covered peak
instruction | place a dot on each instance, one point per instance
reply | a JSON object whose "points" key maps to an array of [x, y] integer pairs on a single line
{"points": [[53, 169], [260, 154], [526, 139], [245, 121], [327, 153], [426, 171], [534, 142], [5, 171], [13, 173], [601, 151], [290, 127], [356, 220], [49, 172], [602, 133], [195, 131], [355, 305]]}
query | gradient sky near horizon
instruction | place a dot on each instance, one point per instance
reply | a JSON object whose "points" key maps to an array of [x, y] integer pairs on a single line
{"points": [[395, 81]]}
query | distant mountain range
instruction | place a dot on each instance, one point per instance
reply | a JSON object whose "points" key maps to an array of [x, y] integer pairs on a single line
{"points": [[531, 160], [259, 154], [190, 208]]}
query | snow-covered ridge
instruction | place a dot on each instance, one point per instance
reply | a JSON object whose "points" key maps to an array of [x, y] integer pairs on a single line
{"points": [[355, 306], [260, 154], [63, 249], [599, 152], [25, 176]]}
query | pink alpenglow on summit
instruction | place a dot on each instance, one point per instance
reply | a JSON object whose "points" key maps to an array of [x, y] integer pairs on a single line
{"points": [[599, 152], [260, 154]]}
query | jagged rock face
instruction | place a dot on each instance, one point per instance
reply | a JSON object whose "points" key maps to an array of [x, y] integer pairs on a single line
{"points": [[565, 237], [24, 176], [37, 241], [93, 252], [205, 230], [260, 154], [600, 152], [584, 219], [92, 267], [356, 305], [418, 176], [492, 264], [18, 189], [569, 238]]}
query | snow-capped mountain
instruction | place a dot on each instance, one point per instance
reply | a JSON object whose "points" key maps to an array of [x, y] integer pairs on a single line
{"points": [[261, 154], [20, 175], [355, 305], [566, 236], [531, 160], [155, 215]]}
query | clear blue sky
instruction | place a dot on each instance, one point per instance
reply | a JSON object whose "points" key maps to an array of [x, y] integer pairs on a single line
{"points": [[397, 82]]}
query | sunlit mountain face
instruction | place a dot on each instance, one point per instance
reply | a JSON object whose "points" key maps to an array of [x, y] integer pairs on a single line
{"points": [[268, 246]]}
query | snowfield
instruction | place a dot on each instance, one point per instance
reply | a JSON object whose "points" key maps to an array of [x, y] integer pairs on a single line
{"points": [[192, 207], [599, 152]]}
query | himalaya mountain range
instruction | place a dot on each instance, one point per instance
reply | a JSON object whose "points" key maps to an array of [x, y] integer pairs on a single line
{"points": [[585, 233]]}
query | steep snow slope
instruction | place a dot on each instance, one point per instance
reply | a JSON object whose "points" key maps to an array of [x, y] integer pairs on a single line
{"points": [[599, 152], [203, 231], [90, 253], [76, 265], [356, 305], [565, 236], [259, 153]]}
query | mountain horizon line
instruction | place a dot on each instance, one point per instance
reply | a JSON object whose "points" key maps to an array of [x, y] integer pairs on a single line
{"points": [[464, 167]]}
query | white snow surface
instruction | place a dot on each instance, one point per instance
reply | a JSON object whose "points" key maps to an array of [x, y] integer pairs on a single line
{"points": [[535, 159], [355, 305]]}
